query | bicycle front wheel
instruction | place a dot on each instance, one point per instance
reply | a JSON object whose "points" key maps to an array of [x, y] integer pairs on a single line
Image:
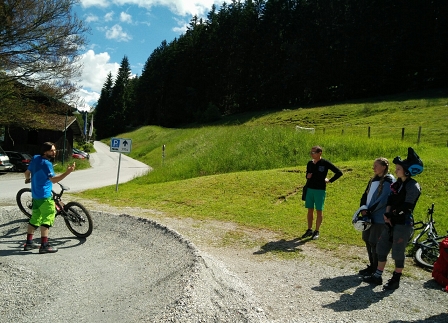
{"points": [[78, 219], [24, 200], [427, 254]]}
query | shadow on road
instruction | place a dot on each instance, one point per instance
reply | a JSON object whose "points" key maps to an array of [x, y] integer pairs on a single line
{"points": [[281, 245]]}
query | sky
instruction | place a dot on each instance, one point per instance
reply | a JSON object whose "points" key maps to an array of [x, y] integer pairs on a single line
{"points": [[131, 28]]}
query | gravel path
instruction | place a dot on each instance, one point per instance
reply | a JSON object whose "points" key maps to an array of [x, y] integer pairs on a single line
{"points": [[133, 269]]}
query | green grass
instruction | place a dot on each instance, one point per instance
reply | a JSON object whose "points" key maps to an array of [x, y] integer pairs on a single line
{"points": [[249, 169], [80, 164]]}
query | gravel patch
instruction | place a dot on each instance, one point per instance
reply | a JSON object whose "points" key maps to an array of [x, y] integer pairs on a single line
{"points": [[142, 266]]}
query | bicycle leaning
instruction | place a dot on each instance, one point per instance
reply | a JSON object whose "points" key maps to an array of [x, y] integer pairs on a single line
{"points": [[76, 217], [426, 251]]}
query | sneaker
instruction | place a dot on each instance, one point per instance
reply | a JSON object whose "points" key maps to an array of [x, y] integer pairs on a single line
{"points": [[31, 246], [373, 279], [308, 233], [366, 272], [315, 235], [48, 249]]}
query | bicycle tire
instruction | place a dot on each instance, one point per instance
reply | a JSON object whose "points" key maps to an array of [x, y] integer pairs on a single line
{"points": [[24, 200], [78, 219], [427, 254]]}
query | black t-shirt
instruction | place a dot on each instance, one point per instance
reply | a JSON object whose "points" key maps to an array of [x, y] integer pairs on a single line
{"points": [[320, 171]]}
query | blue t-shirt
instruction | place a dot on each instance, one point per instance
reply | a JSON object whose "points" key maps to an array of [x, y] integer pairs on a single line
{"points": [[41, 171]]}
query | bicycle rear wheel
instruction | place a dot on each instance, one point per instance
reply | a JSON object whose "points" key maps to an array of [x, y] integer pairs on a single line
{"points": [[24, 200], [427, 254], [78, 219]]}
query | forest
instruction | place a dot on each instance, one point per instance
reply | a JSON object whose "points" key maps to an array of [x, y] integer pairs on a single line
{"points": [[274, 54]]}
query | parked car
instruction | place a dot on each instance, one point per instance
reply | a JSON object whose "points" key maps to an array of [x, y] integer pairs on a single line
{"points": [[80, 152], [77, 156], [19, 160], [5, 165]]}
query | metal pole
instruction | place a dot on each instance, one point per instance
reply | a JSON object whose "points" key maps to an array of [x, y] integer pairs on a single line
{"points": [[65, 136], [118, 173]]}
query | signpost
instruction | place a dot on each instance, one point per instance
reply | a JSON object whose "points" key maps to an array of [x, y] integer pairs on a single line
{"points": [[120, 145]]}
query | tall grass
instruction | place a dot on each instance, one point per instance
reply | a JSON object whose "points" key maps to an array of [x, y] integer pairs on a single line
{"points": [[219, 150]]}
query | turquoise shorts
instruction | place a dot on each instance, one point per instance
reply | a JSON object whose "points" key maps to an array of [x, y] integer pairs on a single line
{"points": [[43, 212], [315, 199]]}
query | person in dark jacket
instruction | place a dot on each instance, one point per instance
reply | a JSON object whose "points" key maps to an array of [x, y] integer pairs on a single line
{"points": [[316, 181], [374, 199], [399, 219]]}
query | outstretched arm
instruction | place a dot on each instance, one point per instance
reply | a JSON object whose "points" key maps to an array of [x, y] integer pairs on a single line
{"points": [[60, 177]]}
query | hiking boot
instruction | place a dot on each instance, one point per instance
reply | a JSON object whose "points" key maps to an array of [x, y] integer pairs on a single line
{"points": [[373, 279], [367, 271], [308, 233], [31, 245], [48, 249], [392, 284], [315, 235]]}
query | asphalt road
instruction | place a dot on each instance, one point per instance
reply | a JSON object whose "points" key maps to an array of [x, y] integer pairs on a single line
{"points": [[104, 172]]}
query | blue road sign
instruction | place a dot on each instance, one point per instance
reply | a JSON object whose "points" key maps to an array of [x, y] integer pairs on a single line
{"points": [[120, 145]]}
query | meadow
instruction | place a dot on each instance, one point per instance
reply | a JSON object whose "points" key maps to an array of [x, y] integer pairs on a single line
{"points": [[250, 169]]}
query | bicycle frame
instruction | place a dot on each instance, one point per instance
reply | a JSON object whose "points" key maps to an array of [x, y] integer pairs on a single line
{"points": [[76, 217], [426, 227]]}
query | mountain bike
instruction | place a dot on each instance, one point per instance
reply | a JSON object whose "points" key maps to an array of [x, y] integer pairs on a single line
{"points": [[76, 217], [427, 251]]}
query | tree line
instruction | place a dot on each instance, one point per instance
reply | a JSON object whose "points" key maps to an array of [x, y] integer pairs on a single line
{"points": [[269, 54]]}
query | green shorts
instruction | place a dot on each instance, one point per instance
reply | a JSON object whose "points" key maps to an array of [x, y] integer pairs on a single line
{"points": [[315, 199], [43, 212]]}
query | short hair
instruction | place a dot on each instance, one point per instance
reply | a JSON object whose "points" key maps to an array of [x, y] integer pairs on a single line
{"points": [[46, 146]]}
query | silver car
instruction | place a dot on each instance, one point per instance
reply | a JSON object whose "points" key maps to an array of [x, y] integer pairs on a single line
{"points": [[5, 165]]}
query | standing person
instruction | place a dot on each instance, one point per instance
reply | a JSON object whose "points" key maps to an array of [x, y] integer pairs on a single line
{"points": [[316, 176], [374, 202], [399, 219], [41, 175]]}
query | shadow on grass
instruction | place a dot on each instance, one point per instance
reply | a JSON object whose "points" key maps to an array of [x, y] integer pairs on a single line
{"points": [[282, 246]]}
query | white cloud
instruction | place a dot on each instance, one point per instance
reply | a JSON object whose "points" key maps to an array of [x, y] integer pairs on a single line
{"points": [[125, 17], [109, 16], [96, 67], [178, 7], [95, 3], [91, 18], [116, 32], [182, 26]]}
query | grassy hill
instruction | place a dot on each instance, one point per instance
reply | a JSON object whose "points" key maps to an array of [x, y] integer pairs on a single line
{"points": [[249, 169]]}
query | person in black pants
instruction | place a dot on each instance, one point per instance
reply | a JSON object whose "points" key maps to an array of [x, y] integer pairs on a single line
{"points": [[374, 200], [399, 219]]}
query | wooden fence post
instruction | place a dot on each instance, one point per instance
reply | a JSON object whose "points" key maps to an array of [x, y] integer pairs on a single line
{"points": [[368, 132], [402, 133], [419, 134]]}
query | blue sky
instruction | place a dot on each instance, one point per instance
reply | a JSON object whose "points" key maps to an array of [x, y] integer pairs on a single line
{"points": [[132, 28]]}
